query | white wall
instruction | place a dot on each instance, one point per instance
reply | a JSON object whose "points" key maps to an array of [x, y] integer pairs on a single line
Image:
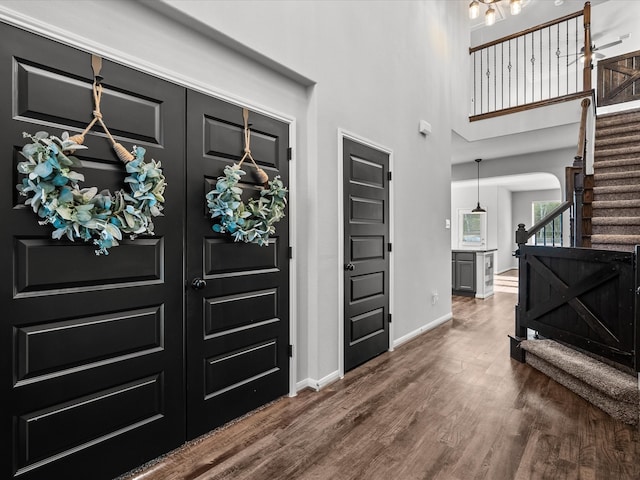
{"points": [[371, 68], [505, 233]]}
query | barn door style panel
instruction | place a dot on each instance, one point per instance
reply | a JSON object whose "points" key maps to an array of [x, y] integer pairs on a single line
{"points": [[92, 346], [366, 249], [238, 293]]}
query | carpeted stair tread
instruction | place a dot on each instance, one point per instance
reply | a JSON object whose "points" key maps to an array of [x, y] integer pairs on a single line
{"points": [[615, 221], [616, 175], [617, 118], [616, 203], [615, 239], [620, 151], [626, 412], [625, 162], [619, 139], [602, 377], [616, 189], [604, 131]]}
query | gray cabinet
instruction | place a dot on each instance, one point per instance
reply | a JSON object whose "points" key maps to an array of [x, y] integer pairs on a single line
{"points": [[463, 273]]}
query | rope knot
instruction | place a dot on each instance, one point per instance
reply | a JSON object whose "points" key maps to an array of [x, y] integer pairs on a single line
{"points": [[97, 114], [247, 150]]}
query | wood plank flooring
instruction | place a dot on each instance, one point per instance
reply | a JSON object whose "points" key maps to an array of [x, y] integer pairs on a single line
{"points": [[448, 405]]}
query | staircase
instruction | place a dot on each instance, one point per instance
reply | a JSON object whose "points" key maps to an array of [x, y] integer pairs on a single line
{"points": [[613, 206], [615, 223]]}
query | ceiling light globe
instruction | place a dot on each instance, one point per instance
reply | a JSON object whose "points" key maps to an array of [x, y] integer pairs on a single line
{"points": [[515, 7], [490, 17], [474, 10]]}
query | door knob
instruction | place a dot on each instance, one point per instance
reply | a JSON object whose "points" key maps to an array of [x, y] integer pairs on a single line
{"points": [[198, 283], [350, 266]]}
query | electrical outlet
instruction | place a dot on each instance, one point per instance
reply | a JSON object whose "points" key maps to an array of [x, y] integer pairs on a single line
{"points": [[434, 297]]}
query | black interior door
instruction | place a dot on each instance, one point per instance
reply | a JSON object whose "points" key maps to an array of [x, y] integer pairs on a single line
{"points": [[366, 242], [238, 319], [91, 346]]}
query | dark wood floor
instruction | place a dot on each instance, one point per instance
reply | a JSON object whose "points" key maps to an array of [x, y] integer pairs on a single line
{"points": [[449, 405]]}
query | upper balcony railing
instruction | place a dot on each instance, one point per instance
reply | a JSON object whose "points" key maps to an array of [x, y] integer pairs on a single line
{"points": [[542, 65]]}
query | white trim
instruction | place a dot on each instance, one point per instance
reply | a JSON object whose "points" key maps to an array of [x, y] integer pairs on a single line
{"points": [[425, 328], [342, 134], [88, 45], [319, 384]]}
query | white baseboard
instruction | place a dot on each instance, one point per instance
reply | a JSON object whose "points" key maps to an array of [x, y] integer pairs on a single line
{"points": [[506, 270], [425, 328], [318, 384]]}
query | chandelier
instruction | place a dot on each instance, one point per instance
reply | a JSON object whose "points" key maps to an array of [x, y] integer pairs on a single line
{"points": [[515, 6]]}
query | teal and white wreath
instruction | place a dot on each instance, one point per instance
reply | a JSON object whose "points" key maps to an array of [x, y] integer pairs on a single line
{"points": [[252, 222], [53, 193]]}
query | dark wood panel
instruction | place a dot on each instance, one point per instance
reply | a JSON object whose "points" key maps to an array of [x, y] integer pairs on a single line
{"points": [[584, 297], [365, 172], [367, 248], [366, 234], [225, 139], [231, 369], [51, 347], [365, 286], [142, 122], [42, 265], [84, 393], [619, 79], [245, 302], [366, 210], [224, 257], [90, 420], [367, 323], [232, 311]]}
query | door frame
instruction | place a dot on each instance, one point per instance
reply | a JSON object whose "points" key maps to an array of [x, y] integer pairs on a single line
{"points": [[139, 64], [342, 135]]}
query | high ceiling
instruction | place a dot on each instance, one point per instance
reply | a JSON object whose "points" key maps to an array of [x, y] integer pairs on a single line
{"points": [[605, 27]]}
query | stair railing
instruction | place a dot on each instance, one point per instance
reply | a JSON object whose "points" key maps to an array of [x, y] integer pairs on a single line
{"points": [[535, 67], [548, 221], [575, 182]]}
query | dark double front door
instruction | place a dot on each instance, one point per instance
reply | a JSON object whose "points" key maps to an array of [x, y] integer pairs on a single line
{"points": [[111, 361]]}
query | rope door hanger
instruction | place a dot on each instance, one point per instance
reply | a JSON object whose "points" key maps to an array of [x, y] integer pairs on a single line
{"points": [[253, 222], [53, 192]]}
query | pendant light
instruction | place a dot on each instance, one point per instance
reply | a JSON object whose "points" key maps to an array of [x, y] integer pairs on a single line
{"points": [[478, 209], [515, 7]]}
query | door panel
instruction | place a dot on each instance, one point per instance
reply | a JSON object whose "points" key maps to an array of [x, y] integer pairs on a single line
{"points": [[92, 346], [366, 275], [238, 324]]}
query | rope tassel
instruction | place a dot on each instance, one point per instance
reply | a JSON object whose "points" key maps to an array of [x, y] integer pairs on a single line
{"points": [[123, 154], [261, 174]]}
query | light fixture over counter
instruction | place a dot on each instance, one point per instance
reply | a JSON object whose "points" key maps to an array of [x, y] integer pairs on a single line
{"points": [[478, 209], [515, 6]]}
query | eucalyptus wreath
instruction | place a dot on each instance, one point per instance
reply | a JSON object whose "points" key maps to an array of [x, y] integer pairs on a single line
{"points": [[51, 186], [250, 222]]}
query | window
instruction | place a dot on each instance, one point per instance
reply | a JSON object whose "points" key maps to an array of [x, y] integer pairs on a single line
{"points": [[551, 234], [472, 228]]}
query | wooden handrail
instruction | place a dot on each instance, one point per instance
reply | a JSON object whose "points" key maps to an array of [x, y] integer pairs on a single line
{"points": [[535, 29], [582, 133], [588, 66], [496, 95], [523, 235]]}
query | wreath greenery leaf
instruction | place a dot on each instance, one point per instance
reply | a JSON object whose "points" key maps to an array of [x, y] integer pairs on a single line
{"points": [[252, 222], [53, 193]]}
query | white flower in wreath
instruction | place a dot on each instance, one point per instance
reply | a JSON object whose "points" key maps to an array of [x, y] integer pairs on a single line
{"points": [[54, 194], [252, 222]]}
